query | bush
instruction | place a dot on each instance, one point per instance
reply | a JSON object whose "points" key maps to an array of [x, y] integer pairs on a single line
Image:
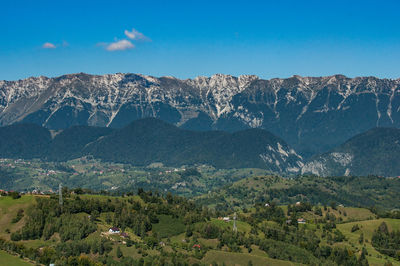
{"points": [[19, 216], [355, 228], [14, 195]]}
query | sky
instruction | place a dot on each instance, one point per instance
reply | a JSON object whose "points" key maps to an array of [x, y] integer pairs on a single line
{"points": [[188, 38]]}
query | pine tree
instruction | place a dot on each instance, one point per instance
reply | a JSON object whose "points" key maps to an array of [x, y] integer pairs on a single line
{"points": [[119, 252]]}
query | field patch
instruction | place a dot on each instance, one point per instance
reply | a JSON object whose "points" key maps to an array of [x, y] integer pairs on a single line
{"points": [[230, 258], [10, 260], [168, 226]]}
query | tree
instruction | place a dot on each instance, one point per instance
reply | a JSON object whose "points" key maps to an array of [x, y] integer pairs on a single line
{"points": [[318, 211], [14, 195], [119, 252], [361, 239], [108, 218], [362, 261]]}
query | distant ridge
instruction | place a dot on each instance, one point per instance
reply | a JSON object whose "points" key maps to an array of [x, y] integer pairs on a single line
{"points": [[375, 152]]}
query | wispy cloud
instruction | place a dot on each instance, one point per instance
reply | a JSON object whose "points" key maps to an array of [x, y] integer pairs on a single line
{"points": [[48, 45], [136, 35], [119, 45], [125, 44]]}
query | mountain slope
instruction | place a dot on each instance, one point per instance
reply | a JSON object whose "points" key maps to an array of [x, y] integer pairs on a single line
{"points": [[151, 140], [69, 143], [23, 141], [313, 114], [376, 151]]}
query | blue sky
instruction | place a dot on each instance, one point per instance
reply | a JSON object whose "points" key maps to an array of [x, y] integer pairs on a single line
{"points": [[192, 38]]}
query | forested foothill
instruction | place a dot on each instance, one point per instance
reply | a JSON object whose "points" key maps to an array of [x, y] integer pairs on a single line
{"points": [[152, 228]]}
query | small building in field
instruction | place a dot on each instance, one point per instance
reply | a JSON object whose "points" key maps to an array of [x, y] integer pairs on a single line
{"points": [[124, 235], [114, 230], [301, 221], [226, 219]]}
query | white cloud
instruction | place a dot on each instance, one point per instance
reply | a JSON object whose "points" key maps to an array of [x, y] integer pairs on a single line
{"points": [[120, 45], [135, 35], [48, 45]]}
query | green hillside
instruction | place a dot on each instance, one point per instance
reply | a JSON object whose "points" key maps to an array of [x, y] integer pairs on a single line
{"points": [[10, 260], [367, 191], [171, 230]]}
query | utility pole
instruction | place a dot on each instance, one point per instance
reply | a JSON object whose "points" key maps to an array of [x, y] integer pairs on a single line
{"points": [[234, 223], [60, 198]]}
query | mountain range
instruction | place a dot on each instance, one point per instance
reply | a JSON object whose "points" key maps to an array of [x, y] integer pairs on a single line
{"points": [[312, 114]]}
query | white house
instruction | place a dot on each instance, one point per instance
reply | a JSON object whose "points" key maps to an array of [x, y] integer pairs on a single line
{"points": [[114, 230]]}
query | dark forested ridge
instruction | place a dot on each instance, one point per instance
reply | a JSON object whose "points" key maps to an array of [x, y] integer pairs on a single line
{"points": [[151, 140], [70, 143], [375, 152], [23, 141]]}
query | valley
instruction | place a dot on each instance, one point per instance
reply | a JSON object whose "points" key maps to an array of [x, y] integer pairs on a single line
{"points": [[199, 133]]}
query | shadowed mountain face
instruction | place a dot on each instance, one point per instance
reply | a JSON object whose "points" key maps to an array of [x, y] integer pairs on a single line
{"points": [[26, 141], [151, 140], [312, 114], [375, 152]]}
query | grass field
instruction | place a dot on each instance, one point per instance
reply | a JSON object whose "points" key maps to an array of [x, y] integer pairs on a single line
{"points": [[367, 228], [241, 226], [230, 258], [10, 260], [347, 214], [168, 226], [6, 202], [8, 210]]}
